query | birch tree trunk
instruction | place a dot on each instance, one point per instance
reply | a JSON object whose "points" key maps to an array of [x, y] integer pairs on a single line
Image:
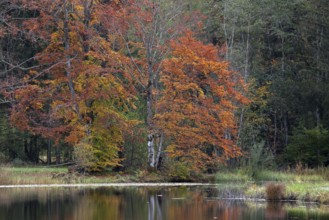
{"points": [[150, 150], [159, 152], [163, 24], [151, 207]]}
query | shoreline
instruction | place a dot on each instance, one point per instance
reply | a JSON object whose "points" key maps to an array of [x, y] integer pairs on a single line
{"points": [[104, 185]]}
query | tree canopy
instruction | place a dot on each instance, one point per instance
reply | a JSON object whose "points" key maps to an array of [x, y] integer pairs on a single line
{"points": [[130, 84]]}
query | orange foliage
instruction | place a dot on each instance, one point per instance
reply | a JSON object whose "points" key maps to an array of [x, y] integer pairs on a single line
{"points": [[197, 104], [82, 89], [84, 83]]}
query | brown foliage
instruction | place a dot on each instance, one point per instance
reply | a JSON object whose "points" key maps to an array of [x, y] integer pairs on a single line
{"points": [[197, 104]]}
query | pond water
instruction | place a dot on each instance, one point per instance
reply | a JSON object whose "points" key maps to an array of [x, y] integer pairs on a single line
{"points": [[143, 203]]}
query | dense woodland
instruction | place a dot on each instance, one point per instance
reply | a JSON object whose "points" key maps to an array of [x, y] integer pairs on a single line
{"points": [[169, 85]]}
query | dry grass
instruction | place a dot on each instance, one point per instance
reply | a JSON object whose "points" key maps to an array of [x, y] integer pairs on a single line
{"points": [[31, 175], [42, 175], [275, 191]]}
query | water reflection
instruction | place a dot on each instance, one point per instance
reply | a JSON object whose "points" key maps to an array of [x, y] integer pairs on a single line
{"points": [[134, 203], [275, 210]]}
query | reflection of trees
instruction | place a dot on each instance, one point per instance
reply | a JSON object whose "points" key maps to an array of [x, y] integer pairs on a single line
{"points": [[154, 207], [275, 210], [110, 203], [229, 209], [29, 204], [136, 204]]}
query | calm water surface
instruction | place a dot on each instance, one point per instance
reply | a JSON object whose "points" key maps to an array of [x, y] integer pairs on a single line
{"points": [[152, 203]]}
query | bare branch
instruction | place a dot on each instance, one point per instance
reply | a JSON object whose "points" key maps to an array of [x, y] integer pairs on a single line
{"points": [[35, 76], [18, 66], [4, 101]]}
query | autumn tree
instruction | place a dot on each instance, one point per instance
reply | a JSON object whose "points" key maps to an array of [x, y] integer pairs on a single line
{"points": [[78, 93], [196, 107], [146, 28]]}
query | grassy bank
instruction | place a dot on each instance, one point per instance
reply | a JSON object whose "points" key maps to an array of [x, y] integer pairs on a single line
{"points": [[305, 185], [43, 175], [31, 175]]}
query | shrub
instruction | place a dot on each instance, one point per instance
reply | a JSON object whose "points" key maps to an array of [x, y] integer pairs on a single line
{"points": [[178, 171], [275, 191], [308, 147]]}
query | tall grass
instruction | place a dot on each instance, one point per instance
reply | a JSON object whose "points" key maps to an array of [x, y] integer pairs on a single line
{"points": [[284, 176], [303, 175], [44, 175], [31, 175]]}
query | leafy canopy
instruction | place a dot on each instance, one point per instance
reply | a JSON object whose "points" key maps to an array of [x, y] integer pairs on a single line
{"points": [[197, 104]]}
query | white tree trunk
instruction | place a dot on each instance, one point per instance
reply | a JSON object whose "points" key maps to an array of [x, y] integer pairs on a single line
{"points": [[151, 208], [150, 147], [159, 151]]}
